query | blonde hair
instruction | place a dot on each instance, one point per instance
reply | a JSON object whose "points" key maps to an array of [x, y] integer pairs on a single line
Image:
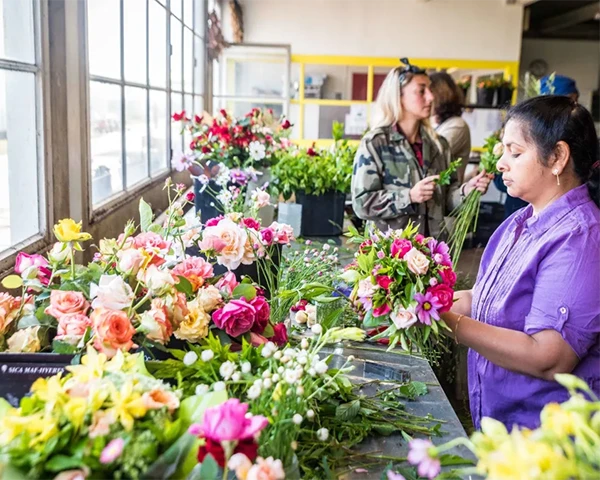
{"points": [[388, 107]]}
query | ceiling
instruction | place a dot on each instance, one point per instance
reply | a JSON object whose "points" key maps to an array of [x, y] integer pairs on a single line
{"points": [[565, 19]]}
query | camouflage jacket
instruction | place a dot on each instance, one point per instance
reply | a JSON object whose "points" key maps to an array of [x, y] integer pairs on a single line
{"points": [[386, 168]]}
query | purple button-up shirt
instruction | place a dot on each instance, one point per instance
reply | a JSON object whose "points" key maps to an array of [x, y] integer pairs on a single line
{"points": [[538, 273]]}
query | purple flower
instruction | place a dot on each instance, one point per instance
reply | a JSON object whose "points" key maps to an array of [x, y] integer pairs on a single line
{"points": [[238, 176], [422, 453], [428, 307], [440, 252], [380, 255]]}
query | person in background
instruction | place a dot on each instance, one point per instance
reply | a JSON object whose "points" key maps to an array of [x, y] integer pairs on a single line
{"points": [[535, 310], [400, 158], [560, 85], [448, 103]]}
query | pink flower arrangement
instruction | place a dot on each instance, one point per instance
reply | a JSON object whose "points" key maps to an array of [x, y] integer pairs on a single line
{"points": [[194, 269], [33, 266], [236, 318], [399, 278]]}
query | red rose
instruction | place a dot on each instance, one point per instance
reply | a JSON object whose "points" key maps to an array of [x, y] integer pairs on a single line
{"points": [[286, 124], [248, 447], [205, 149], [263, 312], [280, 336], [197, 119], [190, 196], [223, 112], [400, 247], [382, 310], [384, 281], [448, 276], [312, 152], [445, 296], [178, 117], [251, 223]]}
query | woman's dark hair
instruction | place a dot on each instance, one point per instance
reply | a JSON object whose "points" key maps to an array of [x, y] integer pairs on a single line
{"points": [[550, 119], [448, 97]]}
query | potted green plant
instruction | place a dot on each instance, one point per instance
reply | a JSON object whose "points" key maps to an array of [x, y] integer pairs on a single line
{"points": [[505, 93], [320, 180], [485, 92]]}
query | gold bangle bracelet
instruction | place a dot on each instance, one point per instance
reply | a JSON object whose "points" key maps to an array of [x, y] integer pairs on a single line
{"points": [[456, 328]]}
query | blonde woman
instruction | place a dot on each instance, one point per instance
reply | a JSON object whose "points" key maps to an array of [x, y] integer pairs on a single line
{"points": [[400, 158]]}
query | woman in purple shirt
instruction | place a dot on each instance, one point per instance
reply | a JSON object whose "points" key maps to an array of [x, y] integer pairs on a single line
{"points": [[535, 308]]}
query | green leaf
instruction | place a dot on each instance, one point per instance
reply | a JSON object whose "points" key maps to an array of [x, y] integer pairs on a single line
{"points": [[244, 290], [420, 388], [58, 463], [63, 347], [184, 286], [155, 228], [28, 321], [347, 411], [449, 459], [268, 332], [364, 264], [12, 281], [370, 321], [209, 469], [385, 429], [145, 215]]}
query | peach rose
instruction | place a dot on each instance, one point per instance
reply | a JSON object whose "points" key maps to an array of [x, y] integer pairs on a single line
{"points": [[9, 308], [232, 240], [177, 308], [266, 469], [403, 318], [26, 340], [157, 398], [195, 270], [417, 262], [101, 422], [210, 298], [111, 293], [195, 325], [72, 327], [249, 255], [155, 322], [66, 302], [113, 331]]}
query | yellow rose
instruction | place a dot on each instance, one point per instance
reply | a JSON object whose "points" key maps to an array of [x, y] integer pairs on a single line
{"points": [[68, 230], [26, 340], [195, 325]]}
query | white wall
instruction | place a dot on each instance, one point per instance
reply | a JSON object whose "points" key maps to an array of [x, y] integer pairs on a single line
{"points": [[460, 29], [577, 59]]}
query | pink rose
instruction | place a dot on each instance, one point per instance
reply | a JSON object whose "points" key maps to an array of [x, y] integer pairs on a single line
{"points": [[195, 270], [33, 266], [113, 331], [236, 318], [403, 318], [448, 276], [445, 296], [251, 223], [284, 233], [227, 283], [213, 221], [267, 235], [419, 238], [177, 308], [263, 312], [417, 262], [228, 423], [382, 310], [130, 261], [280, 337], [400, 247], [65, 302], [72, 327], [151, 240], [228, 239], [384, 281], [257, 339], [155, 322]]}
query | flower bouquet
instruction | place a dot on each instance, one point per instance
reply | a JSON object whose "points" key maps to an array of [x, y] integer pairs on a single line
{"points": [[104, 418], [250, 141], [465, 215], [402, 281], [565, 445]]}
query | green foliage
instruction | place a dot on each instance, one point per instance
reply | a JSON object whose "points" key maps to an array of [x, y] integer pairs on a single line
{"points": [[145, 215], [446, 175]]}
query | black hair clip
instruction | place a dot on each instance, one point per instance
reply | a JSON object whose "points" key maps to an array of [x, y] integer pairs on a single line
{"points": [[408, 68]]}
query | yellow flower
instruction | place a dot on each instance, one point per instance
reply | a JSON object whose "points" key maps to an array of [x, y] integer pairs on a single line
{"points": [[127, 405], [68, 230], [195, 325], [75, 411], [50, 390], [39, 427], [557, 421], [92, 366]]}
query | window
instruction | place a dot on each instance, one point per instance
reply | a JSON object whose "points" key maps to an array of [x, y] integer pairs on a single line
{"points": [[22, 199], [146, 60]]}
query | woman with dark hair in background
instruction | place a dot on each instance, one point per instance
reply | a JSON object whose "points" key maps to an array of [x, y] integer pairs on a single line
{"points": [[535, 310], [448, 103]]}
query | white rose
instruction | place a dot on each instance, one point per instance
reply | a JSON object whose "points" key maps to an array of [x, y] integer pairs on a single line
{"points": [[209, 298], [229, 241], [111, 292], [130, 261], [26, 340], [366, 289], [403, 318], [498, 150], [417, 262], [158, 282], [58, 253]]}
